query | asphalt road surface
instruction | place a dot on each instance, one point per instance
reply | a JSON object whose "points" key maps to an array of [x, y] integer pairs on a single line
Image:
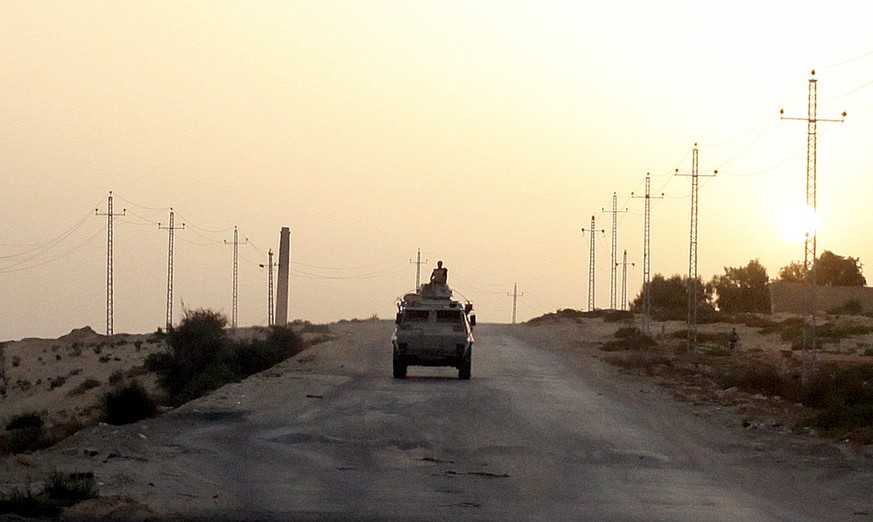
{"points": [[534, 435]]}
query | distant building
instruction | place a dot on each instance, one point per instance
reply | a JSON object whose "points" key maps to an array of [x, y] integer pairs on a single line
{"points": [[788, 297]]}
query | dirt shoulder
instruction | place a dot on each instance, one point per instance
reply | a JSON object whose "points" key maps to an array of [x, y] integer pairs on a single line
{"points": [[754, 438]]}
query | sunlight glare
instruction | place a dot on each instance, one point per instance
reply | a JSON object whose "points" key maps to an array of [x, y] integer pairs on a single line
{"points": [[797, 221]]}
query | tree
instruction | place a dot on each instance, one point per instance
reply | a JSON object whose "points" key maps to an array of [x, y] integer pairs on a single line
{"points": [[742, 289], [834, 270], [831, 270], [669, 299]]}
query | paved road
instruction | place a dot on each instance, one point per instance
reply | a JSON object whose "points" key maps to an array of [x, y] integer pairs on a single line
{"points": [[529, 437]]}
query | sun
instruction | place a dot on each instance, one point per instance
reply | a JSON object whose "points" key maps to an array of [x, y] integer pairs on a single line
{"points": [[798, 221]]}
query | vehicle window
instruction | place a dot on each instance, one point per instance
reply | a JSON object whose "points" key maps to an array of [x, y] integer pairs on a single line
{"points": [[415, 316], [449, 317]]}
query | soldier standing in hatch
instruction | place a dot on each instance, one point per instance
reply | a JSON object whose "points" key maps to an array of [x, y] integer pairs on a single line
{"points": [[440, 275]]}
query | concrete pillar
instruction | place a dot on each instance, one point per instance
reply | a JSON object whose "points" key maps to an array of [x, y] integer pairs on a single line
{"points": [[284, 269]]}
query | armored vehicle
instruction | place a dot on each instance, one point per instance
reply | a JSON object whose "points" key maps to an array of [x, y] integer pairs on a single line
{"points": [[433, 330]]}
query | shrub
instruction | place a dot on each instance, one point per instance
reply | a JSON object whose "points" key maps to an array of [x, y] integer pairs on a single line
{"points": [[25, 420], [760, 378], [616, 316], [628, 338], [88, 384], [24, 433], [850, 307], [127, 404], [116, 378], [60, 491], [202, 358]]}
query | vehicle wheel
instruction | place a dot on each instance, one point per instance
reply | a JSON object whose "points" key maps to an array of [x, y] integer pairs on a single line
{"points": [[399, 368], [465, 366]]}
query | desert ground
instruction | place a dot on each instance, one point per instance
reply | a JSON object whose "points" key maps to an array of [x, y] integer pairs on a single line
{"points": [[63, 379]]}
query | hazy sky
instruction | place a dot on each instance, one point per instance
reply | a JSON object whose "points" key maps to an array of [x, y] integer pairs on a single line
{"points": [[484, 133]]}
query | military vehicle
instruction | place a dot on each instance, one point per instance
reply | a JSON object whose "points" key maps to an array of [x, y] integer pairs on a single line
{"points": [[432, 329]]}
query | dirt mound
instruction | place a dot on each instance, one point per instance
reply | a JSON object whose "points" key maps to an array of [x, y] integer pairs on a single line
{"points": [[79, 335]]}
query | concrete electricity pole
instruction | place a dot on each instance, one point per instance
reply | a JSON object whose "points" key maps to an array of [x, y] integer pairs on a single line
{"points": [[515, 295], [170, 228], [418, 262], [809, 244], [110, 276]]}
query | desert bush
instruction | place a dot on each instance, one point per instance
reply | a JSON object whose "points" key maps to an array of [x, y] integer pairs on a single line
{"points": [[850, 307], [202, 358], [16, 361], [128, 403], [759, 378], [24, 433], [616, 316], [88, 384], [60, 491], [641, 362], [116, 377], [307, 327], [25, 420], [628, 338], [57, 382]]}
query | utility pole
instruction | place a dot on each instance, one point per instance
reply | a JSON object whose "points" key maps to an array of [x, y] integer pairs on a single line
{"points": [[515, 295], [269, 267], [235, 274], [612, 274], [692, 253], [418, 262], [809, 244], [591, 230], [647, 262], [624, 264], [170, 228], [109, 271]]}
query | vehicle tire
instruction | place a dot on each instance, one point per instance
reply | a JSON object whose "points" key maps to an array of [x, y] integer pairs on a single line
{"points": [[399, 368], [465, 366]]}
